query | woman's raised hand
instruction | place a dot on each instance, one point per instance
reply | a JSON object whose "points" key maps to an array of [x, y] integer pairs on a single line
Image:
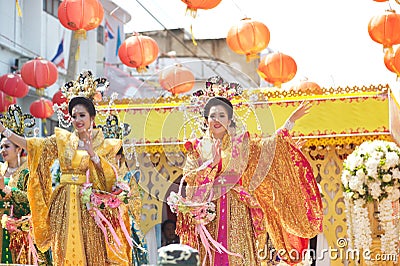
{"points": [[87, 141], [302, 110], [217, 152]]}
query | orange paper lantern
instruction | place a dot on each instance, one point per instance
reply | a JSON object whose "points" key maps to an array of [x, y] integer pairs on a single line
{"points": [[138, 51], [6, 101], [249, 37], [277, 68], [13, 85], [176, 79], [384, 29], [308, 87], [80, 16], [39, 73], [41, 108], [193, 5], [392, 60]]}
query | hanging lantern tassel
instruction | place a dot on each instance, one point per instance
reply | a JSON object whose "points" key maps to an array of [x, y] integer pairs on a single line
{"points": [[78, 52], [80, 34], [44, 126], [40, 91], [251, 56], [18, 8], [191, 33], [192, 12]]}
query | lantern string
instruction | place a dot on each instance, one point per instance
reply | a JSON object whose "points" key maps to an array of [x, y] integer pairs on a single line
{"points": [[237, 6]]}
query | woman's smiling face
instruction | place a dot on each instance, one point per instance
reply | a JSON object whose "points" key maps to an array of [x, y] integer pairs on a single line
{"points": [[81, 119], [218, 121]]}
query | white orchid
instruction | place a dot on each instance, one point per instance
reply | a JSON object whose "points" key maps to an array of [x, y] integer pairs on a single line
{"points": [[372, 173]]}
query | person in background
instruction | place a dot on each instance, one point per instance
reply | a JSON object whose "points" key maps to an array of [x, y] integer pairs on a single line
{"points": [[168, 233], [71, 219], [16, 237]]}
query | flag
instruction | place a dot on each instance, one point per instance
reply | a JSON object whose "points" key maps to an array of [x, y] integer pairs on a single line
{"points": [[58, 59], [118, 41], [108, 32]]}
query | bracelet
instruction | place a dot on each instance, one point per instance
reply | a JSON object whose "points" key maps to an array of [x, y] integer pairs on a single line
{"points": [[95, 159], [289, 125], [7, 133]]}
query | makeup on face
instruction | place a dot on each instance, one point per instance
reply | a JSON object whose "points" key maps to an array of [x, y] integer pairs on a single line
{"points": [[8, 150], [218, 121], [81, 119]]}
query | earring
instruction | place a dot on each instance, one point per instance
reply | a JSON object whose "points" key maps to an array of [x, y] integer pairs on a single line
{"points": [[119, 163], [19, 159]]}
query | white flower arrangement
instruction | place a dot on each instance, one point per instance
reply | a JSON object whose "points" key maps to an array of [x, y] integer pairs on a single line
{"points": [[372, 173]]}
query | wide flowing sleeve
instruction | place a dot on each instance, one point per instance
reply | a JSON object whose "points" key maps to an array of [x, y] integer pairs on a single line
{"points": [[19, 195], [199, 177], [288, 194], [41, 154]]}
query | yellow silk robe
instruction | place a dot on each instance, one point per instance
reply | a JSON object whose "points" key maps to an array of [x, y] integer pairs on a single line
{"points": [[60, 220], [257, 189]]}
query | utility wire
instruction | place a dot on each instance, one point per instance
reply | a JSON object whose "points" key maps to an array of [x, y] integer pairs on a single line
{"points": [[182, 43]]}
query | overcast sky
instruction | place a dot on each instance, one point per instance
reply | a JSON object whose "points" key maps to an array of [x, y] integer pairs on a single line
{"points": [[329, 40]]}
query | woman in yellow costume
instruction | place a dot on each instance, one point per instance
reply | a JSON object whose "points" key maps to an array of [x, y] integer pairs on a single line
{"points": [[16, 245], [67, 219], [241, 189]]}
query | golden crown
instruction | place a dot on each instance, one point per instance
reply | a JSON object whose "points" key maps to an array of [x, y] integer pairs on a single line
{"points": [[216, 86], [17, 121], [86, 85]]}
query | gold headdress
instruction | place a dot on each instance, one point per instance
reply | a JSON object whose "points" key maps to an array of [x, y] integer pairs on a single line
{"points": [[16, 121], [85, 86], [216, 86]]}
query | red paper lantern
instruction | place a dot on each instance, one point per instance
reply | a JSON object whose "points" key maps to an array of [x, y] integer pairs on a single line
{"points": [[277, 68], [13, 85], [6, 101], [384, 29], [308, 87], [138, 51], [249, 37], [41, 108], [193, 5], [80, 16], [176, 79], [39, 73]]}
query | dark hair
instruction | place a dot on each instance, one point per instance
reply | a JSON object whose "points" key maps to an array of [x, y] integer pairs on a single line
{"points": [[218, 101], [85, 102]]}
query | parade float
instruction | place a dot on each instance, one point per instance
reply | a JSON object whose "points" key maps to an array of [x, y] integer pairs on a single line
{"points": [[340, 120]]}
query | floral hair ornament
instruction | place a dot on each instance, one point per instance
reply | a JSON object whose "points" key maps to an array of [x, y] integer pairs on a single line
{"points": [[216, 86], [86, 85], [17, 121]]}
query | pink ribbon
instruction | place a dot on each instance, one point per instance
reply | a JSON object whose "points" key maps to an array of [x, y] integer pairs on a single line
{"points": [[206, 239]]}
